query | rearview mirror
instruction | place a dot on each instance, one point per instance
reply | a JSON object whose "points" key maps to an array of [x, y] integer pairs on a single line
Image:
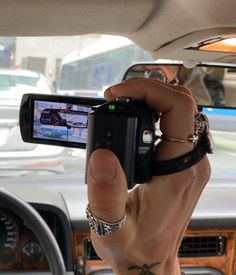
{"points": [[211, 85]]}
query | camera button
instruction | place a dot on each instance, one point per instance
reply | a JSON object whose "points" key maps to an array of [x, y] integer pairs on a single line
{"points": [[147, 137], [108, 142], [123, 99]]}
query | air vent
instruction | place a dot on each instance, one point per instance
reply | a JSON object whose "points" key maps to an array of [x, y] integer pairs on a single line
{"points": [[206, 246], [89, 251]]}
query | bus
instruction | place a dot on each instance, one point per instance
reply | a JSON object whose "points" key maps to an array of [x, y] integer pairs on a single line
{"points": [[90, 71]]}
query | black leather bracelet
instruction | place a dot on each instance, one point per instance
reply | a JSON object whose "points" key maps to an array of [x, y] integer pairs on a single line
{"points": [[183, 162]]}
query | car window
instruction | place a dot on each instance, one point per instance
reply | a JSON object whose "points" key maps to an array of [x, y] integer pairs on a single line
{"points": [[82, 66], [9, 81], [5, 82]]}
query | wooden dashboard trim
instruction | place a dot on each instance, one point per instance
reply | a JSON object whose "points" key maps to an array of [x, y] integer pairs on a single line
{"points": [[225, 263]]}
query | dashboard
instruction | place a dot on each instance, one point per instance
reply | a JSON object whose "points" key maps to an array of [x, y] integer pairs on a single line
{"points": [[208, 247], [19, 247]]}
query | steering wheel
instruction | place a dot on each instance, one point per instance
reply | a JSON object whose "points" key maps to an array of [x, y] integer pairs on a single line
{"points": [[39, 227]]}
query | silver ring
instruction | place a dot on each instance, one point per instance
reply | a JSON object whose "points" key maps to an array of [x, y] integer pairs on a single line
{"points": [[100, 227]]}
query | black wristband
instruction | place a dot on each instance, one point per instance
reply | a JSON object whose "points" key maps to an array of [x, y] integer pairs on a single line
{"points": [[183, 162]]}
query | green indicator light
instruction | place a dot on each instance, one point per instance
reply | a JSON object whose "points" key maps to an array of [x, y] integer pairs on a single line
{"points": [[111, 107]]}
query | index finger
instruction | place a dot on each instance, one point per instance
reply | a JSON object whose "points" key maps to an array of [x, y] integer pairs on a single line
{"points": [[177, 108], [153, 92]]}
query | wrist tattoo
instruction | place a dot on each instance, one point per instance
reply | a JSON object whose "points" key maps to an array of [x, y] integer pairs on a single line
{"points": [[145, 269]]}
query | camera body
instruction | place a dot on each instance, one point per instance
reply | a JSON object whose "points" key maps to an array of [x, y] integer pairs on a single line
{"points": [[124, 126], [127, 128]]}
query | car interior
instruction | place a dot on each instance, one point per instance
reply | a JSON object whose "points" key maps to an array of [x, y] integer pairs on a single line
{"points": [[43, 224]]}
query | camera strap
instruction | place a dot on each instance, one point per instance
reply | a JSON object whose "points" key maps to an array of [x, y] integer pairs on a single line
{"points": [[183, 162]]}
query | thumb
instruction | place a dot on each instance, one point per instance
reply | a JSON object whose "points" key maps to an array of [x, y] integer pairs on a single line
{"points": [[107, 189]]}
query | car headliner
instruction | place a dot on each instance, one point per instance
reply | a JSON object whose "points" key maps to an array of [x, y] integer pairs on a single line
{"points": [[162, 27]]}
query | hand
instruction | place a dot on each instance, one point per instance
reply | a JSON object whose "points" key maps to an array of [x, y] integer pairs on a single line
{"points": [[158, 211]]}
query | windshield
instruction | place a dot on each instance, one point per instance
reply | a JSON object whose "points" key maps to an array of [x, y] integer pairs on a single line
{"points": [[9, 81], [74, 66]]}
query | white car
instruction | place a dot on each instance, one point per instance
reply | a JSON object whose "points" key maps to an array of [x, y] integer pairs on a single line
{"points": [[14, 153], [15, 83]]}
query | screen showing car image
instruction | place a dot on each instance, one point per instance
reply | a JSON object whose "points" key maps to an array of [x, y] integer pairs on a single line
{"points": [[60, 121]]}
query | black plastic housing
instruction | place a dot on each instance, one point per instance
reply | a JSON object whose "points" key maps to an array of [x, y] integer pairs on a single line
{"points": [[26, 116], [127, 128]]}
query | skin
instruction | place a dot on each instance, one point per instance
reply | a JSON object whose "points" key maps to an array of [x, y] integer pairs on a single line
{"points": [[157, 212]]}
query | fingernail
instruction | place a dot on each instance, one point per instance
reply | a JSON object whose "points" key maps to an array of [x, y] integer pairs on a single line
{"points": [[103, 168]]}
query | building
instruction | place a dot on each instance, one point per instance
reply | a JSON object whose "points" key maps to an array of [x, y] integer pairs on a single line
{"points": [[7, 50], [44, 54]]}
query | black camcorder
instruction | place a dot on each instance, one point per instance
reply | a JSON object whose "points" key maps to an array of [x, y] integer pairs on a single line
{"points": [[124, 126], [127, 128]]}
